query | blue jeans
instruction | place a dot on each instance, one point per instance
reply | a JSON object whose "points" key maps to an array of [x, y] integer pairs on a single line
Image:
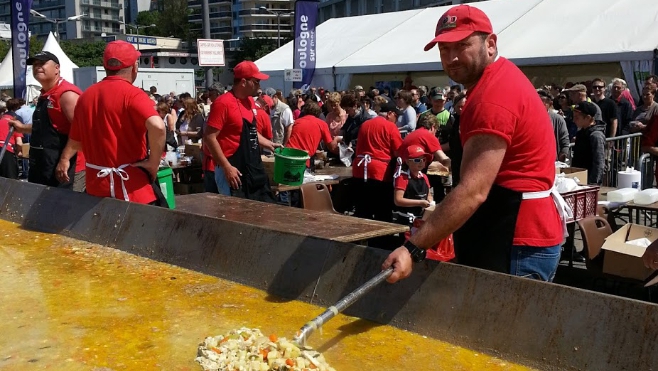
{"points": [[222, 184], [538, 263]]}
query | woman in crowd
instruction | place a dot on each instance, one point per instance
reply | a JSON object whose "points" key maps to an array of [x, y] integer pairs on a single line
{"points": [[453, 147], [407, 120], [191, 122], [642, 113], [169, 119], [336, 116]]}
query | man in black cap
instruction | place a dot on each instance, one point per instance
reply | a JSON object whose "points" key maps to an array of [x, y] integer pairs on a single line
{"points": [[589, 150], [51, 123]]}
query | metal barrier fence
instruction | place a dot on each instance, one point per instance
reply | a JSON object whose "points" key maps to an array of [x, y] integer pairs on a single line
{"points": [[621, 151], [646, 164]]}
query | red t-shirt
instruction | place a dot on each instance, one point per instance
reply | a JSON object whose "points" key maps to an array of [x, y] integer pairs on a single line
{"points": [[111, 127], [264, 123], [650, 134], [521, 120], [307, 133], [422, 137], [208, 163], [226, 114], [57, 117], [4, 131], [402, 181], [380, 139]]}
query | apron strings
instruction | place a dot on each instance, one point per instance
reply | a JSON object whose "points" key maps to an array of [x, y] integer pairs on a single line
{"points": [[110, 171]]}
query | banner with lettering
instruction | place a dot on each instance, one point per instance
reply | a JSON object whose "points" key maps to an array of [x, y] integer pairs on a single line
{"points": [[20, 43], [306, 16]]}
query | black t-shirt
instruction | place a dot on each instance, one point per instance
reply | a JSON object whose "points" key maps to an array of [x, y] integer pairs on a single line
{"points": [[608, 113]]}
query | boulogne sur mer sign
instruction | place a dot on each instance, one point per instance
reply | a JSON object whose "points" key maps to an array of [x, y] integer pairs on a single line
{"points": [[143, 40]]}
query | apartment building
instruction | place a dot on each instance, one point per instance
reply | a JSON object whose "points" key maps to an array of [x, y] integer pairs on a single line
{"points": [[347, 8], [232, 20], [103, 16]]}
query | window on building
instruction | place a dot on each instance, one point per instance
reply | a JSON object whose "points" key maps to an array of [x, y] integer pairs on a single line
{"points": [[354, 8]]}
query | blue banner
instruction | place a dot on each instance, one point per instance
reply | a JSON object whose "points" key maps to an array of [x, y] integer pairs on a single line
{"points": [[306, 16], [20, 43]]}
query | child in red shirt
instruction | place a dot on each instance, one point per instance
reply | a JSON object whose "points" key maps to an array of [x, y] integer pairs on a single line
{"points": [[412, 188]]}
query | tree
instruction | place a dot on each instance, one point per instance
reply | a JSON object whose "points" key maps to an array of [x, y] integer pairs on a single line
{"points": [[36, 45], [147, 18], [84, 54], [174, 20], [4, 49], [252, 49]]}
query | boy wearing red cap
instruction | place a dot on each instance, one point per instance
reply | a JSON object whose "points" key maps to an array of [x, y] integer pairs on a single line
{"points": [[112, 130], [233, 140], [505, 213], [412, 188]]}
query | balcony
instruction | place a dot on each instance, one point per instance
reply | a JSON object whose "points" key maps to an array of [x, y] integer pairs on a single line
{"points": [[264, 27], [262, 13], [197, 3], [215, 15], [38, 5]]}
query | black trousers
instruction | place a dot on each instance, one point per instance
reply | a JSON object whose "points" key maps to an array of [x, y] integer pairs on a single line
{"points": [[374, 199], [9, 166], [439, 190]]}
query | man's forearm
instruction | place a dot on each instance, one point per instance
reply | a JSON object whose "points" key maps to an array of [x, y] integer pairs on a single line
{"points": [[450, 214], [613, 129], [265, 143], [287, 134], [651, 150], [72, 147], [210, 140], [156, 136]]}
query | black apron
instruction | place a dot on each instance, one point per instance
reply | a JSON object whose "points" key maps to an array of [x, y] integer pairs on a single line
{"points": [[485, 240], [46, 146], [255, 183], [160, 199]]}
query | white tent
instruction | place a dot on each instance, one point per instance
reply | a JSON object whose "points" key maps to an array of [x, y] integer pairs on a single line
{"points": [[530, 33], [7, 72], [66, 65]]}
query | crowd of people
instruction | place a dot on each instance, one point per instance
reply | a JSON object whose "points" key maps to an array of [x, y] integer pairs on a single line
{"points": [[402, 143]]}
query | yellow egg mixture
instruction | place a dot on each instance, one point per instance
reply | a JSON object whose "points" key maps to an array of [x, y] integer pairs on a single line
{"points": [[71, 305]]}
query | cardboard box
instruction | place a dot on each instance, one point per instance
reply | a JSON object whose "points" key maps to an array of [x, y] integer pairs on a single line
{"points": [[573, 172], [26, 150], [188, 189], [194, 151], [624, 260]]}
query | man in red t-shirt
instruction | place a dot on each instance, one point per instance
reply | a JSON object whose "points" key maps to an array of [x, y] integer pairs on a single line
{"points": [[112, 130], [376, 149], [51, 124], [503, 212], [309, 131], [233, 140], [9, 163]]}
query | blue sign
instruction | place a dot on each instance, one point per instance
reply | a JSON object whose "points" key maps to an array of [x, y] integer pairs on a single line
{"points": [[306, 15], [144, 40], [20, 43]]}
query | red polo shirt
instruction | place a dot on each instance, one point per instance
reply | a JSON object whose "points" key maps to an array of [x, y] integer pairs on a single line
{"points": [[110, 122], [521, 120], [264, 123], [57, 117], [307, 134], [380, 139], [226, 114], [4, 131], [424, 138]]}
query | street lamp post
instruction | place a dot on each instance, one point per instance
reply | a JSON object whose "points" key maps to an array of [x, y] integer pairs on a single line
{"points": [[56, 21], [278, 14], [137, 27]]}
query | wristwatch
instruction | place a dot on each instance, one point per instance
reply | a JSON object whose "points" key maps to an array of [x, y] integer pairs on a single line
{"points": [[417, 254]]}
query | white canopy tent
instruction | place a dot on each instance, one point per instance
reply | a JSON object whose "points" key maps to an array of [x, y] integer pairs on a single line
{"points": [[66, 65], [530, 33]]}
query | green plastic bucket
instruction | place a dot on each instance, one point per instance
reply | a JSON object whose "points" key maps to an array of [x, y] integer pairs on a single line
{"points": [[289, 166], [166, 182]]}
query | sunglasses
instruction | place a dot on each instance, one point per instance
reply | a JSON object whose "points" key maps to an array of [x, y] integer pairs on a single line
{"points": [[598, 87], [417, 160]]}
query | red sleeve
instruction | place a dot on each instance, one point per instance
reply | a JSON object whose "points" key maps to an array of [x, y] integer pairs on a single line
{"points": [[77, 116], [427, 181], [17, 135], [324, 132], [488, 118], [265, 124], [141, 107], [217, 116], [433, 144], [401, 182], [650, 135], [396, 139]]}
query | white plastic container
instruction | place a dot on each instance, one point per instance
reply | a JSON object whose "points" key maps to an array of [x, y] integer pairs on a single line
{"points": [[646, 197], [622, 195], [629, 178]]}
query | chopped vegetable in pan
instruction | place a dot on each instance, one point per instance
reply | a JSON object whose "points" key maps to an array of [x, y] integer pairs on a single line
{"points": [[249, 350]]}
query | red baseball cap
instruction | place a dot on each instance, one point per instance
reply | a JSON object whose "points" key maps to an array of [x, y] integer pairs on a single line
{"points": [[458, 23], [266, 98], [415, 151], [248, 70], [124, 52]]}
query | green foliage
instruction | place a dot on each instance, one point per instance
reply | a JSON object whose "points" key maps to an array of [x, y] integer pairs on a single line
{"points": [[36, 45], [252, 49], [84, 54], [147, 18], [174, 21], [4, 48]]}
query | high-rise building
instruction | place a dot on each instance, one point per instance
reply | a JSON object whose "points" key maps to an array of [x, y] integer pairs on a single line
{"points": [[347, 8], [133, 7], [103, 16], [236, 19]]}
